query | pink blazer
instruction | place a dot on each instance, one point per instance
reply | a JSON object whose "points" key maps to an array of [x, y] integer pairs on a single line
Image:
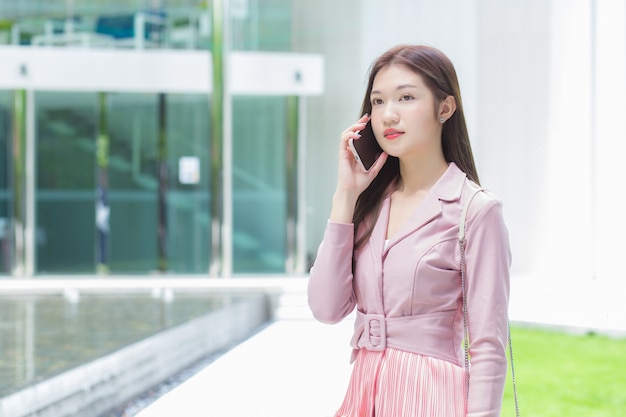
{"points": [[408, 294]]}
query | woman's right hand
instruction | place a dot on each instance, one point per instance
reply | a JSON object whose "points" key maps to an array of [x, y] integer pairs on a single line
{"points": [[351, 179]]}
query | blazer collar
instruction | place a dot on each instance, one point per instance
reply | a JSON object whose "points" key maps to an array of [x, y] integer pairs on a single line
{"points": [[450, 184], [447, 188]]}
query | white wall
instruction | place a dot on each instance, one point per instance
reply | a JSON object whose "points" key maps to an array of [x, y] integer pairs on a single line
{"points": [[543, 85], [333, 28], [449, 25], [609, 134], [563, 233]]}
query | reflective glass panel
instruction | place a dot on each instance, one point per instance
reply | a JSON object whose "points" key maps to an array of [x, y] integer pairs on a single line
{"points": [[133, 186], [65, 190], [109, 23], [158, 183], [261, 25], [188, 196], [151, 198], [259, 198]]}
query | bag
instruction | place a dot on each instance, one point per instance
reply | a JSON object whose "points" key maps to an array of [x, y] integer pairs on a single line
{"points": [[465, 327]]}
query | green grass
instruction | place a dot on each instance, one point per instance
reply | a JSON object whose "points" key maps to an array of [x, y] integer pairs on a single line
{"points": [[567, 375]]}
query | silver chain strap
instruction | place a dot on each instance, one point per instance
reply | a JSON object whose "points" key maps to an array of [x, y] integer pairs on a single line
{"points": [[465, 327], [513, 371], [464, 307]]}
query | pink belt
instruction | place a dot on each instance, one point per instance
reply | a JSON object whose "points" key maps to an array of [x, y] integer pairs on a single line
{"points": [[436, 334]]}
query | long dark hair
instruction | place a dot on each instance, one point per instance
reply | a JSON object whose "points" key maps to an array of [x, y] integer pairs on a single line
{"points": [[440, 77]]}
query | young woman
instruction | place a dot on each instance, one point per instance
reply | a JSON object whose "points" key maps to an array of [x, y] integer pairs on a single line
{"points": [[391, 251]]}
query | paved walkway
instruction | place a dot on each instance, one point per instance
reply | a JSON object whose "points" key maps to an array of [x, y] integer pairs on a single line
{"points": [[295, 367], [299, 367]]}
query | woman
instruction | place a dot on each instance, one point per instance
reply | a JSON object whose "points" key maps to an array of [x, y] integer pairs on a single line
{"points": [[391, 251]]}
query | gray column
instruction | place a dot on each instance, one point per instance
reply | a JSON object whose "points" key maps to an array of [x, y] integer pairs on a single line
{"points": [[23, 184], [162, 231], [103, 208], [291, 166], [217, 138], [31, 183], [18, 167]]}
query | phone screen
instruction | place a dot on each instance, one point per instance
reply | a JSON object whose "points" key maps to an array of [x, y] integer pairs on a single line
{"points": [[365, 149]]}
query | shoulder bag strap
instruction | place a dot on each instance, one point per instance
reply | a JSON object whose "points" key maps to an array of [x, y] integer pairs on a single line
{"points": [[465, 325]]}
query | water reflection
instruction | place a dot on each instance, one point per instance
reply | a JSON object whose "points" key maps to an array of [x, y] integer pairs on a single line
{"points": [[41, 336]]}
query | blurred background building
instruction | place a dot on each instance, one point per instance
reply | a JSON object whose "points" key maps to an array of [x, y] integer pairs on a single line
{"points": [[125, 150]]}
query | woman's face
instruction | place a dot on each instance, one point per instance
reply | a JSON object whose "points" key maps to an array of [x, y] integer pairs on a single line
{"points": [[403, 113]]}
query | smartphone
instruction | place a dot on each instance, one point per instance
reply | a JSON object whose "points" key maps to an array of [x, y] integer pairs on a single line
{"points": [[365, 149]]}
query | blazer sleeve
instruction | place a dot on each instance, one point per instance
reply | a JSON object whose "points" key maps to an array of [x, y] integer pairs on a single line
{"points": [[330, 293], [488, 261]]}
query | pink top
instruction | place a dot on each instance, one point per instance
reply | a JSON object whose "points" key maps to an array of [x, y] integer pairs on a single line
{"points": [[408, 295]]}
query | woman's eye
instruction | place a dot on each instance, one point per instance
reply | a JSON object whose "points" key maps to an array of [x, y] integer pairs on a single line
{"points": [[376, 101], [406, 97]]}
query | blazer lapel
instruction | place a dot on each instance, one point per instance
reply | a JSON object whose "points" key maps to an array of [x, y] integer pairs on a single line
{"points": [[447, 188], [429, 208]]}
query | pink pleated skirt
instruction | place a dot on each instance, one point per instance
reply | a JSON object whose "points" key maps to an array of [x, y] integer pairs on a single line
{"points": [[393, 383]]}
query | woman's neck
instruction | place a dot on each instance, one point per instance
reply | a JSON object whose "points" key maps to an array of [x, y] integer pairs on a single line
{"points": [[420, 176]]}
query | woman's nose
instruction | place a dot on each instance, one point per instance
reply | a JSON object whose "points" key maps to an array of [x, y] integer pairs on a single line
{"points": [[389, 114]]}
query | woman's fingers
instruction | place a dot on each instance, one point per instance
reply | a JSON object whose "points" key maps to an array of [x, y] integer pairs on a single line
{"points": [[360, 124], [352, 132]]}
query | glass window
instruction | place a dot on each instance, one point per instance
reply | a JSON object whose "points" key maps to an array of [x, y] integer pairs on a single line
{"points": [[261, 25], [259, 197], [65, 190], [109, 23]]}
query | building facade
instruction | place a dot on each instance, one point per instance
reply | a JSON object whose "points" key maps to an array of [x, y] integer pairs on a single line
{"points": [[542, 83], [119, 154]]}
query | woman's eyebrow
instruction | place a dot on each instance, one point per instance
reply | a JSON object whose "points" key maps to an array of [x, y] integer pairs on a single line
{"points": [[400, 87]]}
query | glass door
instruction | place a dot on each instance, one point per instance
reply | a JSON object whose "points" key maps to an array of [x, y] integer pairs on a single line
{"points": [[187, 153], [158, 183], [66, 128], [259, 184], [132, 181], [122, 183]]}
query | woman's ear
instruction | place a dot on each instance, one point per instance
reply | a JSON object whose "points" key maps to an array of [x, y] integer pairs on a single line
{"points": [[447, 108]]}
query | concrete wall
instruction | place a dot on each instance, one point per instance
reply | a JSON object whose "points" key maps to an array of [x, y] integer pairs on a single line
{"points": [[543, 85], [332, 28], [103, 384]]}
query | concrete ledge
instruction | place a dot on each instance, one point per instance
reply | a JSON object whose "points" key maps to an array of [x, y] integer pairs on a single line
{"points": [[103, 384], [93, 284]]}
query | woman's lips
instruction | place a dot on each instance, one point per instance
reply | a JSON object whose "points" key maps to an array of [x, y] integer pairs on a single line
{"points": [[392, 133]]}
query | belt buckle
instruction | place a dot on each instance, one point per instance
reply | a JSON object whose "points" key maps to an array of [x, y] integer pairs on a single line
{"points": [[372, 341]]}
